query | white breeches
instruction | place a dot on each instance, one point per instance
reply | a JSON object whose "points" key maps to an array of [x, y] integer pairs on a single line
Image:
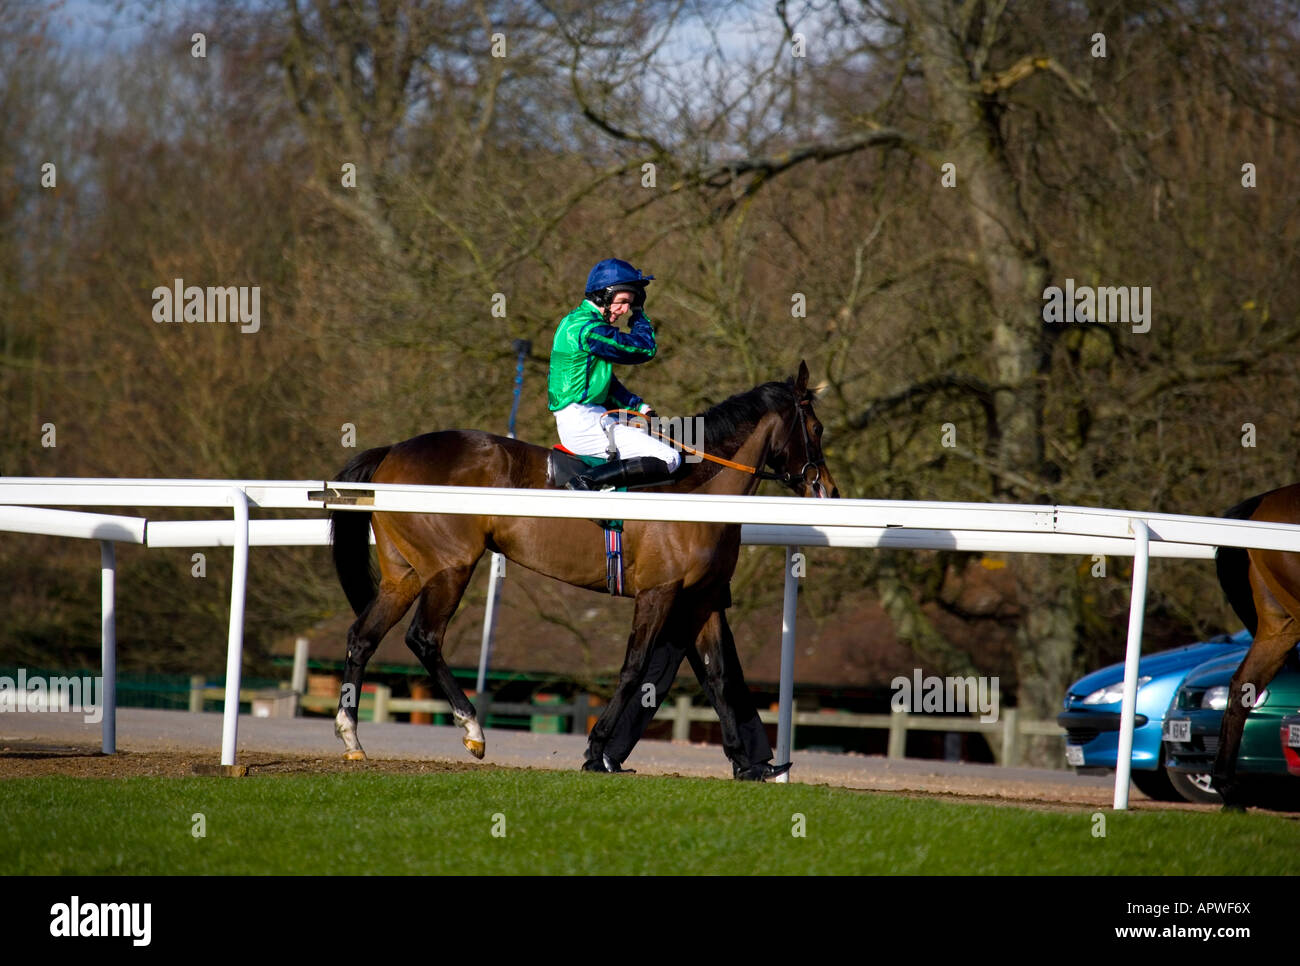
{"points": [[582, 429]]}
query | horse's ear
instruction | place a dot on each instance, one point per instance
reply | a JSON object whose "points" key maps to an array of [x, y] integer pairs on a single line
{"points": [[801, 381]]}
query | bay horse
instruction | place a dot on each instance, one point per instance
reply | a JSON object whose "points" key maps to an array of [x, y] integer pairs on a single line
{"points": [[678, 573], [1263, 587]]}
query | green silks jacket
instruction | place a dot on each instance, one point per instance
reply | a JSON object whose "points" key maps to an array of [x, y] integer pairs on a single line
{"points": [[581, 355]]}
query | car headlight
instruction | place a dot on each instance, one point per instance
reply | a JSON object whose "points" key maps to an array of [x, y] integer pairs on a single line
{"points": [[1216, 698], [1111, 693]]}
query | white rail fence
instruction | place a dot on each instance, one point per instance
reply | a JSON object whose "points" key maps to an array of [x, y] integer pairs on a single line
{"points": [[787, 521]]}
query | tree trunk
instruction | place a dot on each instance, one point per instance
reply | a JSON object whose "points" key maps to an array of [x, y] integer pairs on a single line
{"points": [[1016, 271], [936, 654]]}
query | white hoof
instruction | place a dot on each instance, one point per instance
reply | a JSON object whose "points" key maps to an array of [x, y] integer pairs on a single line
{"points": [[346, 730], [474, 739]]}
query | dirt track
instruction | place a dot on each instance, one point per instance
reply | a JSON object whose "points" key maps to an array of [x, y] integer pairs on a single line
{"points": [[170, 743], [24, 760]]}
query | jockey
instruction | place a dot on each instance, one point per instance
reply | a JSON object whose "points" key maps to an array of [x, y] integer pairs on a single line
{"points": [[582, 385]]}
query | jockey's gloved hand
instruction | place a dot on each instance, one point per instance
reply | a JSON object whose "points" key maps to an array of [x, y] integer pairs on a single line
{"points": [[646, 410]]}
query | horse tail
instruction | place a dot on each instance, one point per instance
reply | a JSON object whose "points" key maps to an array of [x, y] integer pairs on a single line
{"points": [[1233, 567], [350, 534]]}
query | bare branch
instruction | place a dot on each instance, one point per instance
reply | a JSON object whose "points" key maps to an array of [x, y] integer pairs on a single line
{"points": [[1013, 75], [917, 394], [722, 174]]}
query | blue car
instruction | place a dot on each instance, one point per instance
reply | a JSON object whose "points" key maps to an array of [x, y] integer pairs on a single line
{"points": [[1092, 712]]}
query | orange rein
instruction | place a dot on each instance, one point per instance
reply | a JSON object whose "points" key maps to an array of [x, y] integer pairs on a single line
{"points": [[683, 446]]}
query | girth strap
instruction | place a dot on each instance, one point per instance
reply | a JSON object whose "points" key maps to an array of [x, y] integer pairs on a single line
{"points": [[614, 560]]}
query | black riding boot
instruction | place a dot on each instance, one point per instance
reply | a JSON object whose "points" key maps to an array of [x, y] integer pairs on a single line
{"points": [[637, 471]]}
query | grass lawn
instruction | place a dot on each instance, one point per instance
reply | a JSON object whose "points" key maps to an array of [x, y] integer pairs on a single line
{"points": [[553, 823]]}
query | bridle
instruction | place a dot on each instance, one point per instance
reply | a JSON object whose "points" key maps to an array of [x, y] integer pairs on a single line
{"points": [[788, 479]]}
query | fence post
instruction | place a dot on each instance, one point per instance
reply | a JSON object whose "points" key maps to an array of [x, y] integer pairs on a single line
{"points": [[785, 709], [482, 702], [496, 574], [1010, 738], [298, 682], [197, 683], [1132, 655], [581, 708], [108, 646], [682, 719], [235, 639], [382, 693], [897, 735]]}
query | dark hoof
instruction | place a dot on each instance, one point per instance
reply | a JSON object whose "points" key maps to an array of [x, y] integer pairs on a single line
{"points": [[760, 773], [1231, 793], [605, 766]]}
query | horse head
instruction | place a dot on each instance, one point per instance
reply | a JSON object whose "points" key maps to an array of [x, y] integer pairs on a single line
{"points": [[798, 461]]}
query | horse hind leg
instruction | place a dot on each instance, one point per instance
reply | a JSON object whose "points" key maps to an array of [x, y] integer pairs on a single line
{"points": [[424, 637], [387, 608], [1274, 578], [1261, 664]]}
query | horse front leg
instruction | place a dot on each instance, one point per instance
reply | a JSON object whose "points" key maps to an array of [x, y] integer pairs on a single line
{"points": [[689, 613], [653, 610], [717, 666]]}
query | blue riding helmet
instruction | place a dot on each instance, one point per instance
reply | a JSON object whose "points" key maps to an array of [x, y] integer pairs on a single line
{"points": [[614, 274]]}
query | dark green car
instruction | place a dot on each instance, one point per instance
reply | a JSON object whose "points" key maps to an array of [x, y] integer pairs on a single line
{"points": [[1191, 726]]}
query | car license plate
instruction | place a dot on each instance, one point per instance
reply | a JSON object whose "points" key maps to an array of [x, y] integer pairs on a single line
{"points": [[1074, 753], [1178, 729], [1293, 736]]}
